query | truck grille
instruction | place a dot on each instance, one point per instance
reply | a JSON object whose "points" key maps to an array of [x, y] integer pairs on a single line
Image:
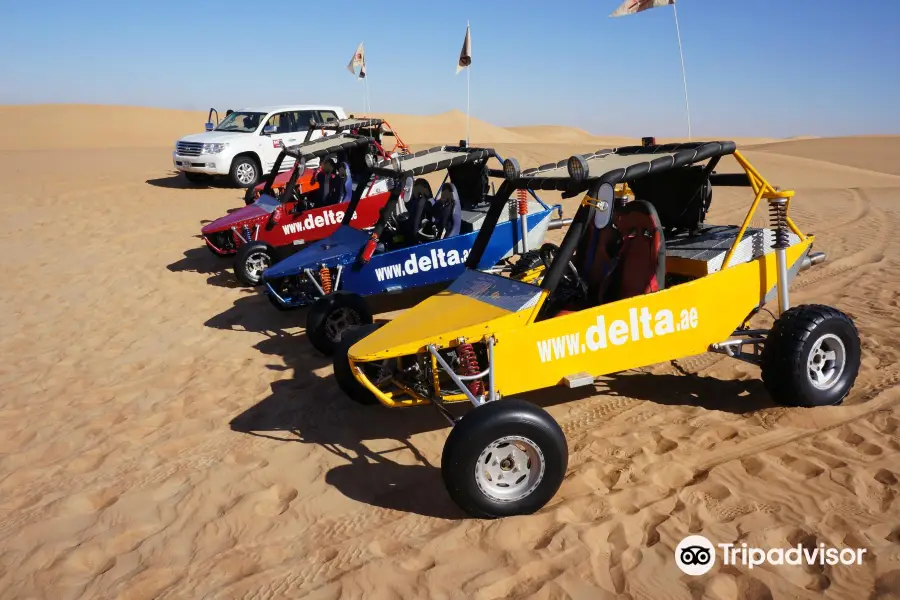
{"points": [[189, 148]]}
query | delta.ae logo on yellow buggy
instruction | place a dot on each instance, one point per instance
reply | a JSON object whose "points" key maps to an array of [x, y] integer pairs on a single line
{"points": [[641, 324]]}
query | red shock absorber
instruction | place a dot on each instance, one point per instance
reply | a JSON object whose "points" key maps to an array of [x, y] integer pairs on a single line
{"points": [[325, 276], [466, 355], [523, 202]]}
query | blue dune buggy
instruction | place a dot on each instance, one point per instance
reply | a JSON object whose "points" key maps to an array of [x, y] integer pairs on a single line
{"points": [[403, 252]]}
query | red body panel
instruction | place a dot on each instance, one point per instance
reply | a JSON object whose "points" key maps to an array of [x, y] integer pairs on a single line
{"points": [[309, 226]]}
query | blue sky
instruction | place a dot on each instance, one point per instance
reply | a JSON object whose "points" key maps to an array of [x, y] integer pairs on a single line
{"points": [[754, 67]]}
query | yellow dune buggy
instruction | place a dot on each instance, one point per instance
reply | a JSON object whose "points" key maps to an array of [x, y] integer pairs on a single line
{"points": [[633, 283]]}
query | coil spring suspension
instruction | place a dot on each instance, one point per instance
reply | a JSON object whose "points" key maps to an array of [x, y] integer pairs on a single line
{"points": [[325, 276], [522, 202], [247, 233], [778, 217], [466, 355]]}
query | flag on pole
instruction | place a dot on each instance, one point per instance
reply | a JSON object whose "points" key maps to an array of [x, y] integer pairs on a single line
{"points": [[358, 60], [465, 55], [630, 7]]}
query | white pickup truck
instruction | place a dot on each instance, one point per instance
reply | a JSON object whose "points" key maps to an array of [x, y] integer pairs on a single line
{"points": [[246, 143]]}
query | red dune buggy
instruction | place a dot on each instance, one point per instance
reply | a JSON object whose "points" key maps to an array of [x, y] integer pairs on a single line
{"points": [[377, 130], [276, 225]]}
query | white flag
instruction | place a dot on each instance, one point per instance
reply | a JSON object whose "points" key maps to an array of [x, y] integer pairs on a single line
{"points": [[630, 7], [358, 60], [465, 55]]}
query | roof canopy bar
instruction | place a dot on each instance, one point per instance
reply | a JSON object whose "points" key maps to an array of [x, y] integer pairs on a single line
{"points": [[434, 159], [345, 124], [613, 166]]}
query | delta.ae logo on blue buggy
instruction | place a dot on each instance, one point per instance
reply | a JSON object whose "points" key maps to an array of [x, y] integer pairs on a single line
{"points": [[437, 258]]}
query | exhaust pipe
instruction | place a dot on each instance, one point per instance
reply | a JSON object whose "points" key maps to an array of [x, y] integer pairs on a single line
{"points": [[559, 223], [811, 259]]}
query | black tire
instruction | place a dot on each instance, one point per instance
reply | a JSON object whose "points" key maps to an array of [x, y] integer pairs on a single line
{"points": [[196, 177], [247, 261], [342, 373], [790, 356], [331, 316], [245, 172], [486, 425]]}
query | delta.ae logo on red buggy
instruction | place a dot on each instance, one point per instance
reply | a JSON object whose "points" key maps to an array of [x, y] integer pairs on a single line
{"points": [[323, 219]]}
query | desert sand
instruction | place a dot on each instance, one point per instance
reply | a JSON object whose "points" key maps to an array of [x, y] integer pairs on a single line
{"points": [[164, 433]]}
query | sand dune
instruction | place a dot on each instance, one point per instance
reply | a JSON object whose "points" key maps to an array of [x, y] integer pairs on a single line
{"points": [[873, 153], [165, 434]]}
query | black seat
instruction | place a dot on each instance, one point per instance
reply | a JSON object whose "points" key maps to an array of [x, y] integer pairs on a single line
{"points": [[681, 197], [472, 183]]}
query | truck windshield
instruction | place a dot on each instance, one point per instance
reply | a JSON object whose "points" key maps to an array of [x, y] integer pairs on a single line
{"points": [[241, 122]]}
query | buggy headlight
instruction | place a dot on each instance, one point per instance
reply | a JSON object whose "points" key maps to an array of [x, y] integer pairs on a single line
{"points": [[577, 167], [511, 169], [214, 148]]}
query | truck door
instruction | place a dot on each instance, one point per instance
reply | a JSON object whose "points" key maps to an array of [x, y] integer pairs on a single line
{"points": [[270, 144]]}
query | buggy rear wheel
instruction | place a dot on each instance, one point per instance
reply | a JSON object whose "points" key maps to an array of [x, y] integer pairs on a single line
{"points": [[504, 458], [333, 315], [342, 371], [811, 356], [250, 262]]}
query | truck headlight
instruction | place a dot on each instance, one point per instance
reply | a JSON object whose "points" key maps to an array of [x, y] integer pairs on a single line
{"points": [[213, 148]]}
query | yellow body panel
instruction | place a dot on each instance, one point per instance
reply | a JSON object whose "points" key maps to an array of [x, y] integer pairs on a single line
{"points": [[681, 321], [439, 319]]}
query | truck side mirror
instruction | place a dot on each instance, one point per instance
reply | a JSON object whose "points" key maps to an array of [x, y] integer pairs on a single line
{"points": [[210, 126], [269, 129]]}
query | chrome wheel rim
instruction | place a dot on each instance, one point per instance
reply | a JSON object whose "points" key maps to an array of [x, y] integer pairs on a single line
{"points": [[338, 321], [256, 263], [509, 468], [245, 173], [826, 361]]}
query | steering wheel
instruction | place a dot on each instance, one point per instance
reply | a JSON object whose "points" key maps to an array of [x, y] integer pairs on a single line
{"points": [[571, 278], [427, 231]]}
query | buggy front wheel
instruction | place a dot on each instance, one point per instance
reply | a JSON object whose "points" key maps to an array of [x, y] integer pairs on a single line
{"points": [[811, 356], [332, 316], [504, 458], [250, 261], [343, 373]]}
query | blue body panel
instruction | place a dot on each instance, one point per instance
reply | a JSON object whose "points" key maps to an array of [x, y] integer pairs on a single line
{"points": [[440, 261], [340, 248]]}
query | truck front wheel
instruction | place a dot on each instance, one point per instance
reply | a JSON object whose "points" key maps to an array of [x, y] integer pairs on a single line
{"points": [[244, 172]]}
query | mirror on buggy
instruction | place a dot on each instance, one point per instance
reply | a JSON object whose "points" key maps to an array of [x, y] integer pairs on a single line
{"points": [[210, 126], [601, 197], [406, 192], [370, 161]]}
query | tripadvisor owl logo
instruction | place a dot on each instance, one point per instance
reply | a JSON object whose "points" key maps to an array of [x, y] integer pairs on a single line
{"points": [[695, 555]]}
